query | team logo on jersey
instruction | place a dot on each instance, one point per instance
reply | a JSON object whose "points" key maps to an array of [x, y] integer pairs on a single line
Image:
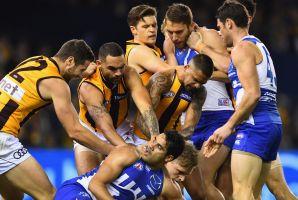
{"points": [[169, 94], [11, 88], [186, 96], [223, 102], [84, 194], [239, 138], [139, 166], [155, 182], [120, 96]]}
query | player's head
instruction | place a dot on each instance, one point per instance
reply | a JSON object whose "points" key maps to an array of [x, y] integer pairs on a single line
{"points": [[231, 16], [111, 61], [197, 72], [143, 23], [178, 23], [183, 165], [76, 56], [250, 6], [162, 148]]}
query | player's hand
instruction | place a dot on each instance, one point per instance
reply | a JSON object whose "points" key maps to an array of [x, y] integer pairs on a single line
{"points": [[210, 147], [168, 46], [195, 41], [216, 140], [90, 70]]}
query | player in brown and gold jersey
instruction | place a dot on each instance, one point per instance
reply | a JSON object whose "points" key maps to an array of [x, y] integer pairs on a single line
{"points": [[104, 104], [179, 90], [141, 52], [33, 84]]}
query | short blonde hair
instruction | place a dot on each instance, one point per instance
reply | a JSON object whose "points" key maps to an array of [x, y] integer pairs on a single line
{"points": [[189, 157]]}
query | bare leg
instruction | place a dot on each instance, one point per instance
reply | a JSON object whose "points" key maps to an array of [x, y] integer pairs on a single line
{"points": [[29, 177], [277, 184], [261, 181], [9, 191], [224, 179], [209, 167], [194, 185], [246, 170]]}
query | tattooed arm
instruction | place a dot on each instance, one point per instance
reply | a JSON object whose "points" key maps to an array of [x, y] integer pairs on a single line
{"points": [[93, 98], [158, 84], [193, 113], [146, 119]]}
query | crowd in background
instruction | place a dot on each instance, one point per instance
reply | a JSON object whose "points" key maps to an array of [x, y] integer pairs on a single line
{"points": [[39, 27]]}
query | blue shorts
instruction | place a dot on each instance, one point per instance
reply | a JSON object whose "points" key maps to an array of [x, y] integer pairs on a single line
{"points": [[72, 191], [262, 140], [209, 122]]}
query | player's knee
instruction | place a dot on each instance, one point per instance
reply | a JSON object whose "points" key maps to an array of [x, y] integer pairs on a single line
{"points": [[47, 195], [241, 190]]}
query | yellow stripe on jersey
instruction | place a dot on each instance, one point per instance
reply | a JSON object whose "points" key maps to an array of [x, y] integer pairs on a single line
{"points": [[115, 100], [145, 75], [19, 94], [170, 108]]}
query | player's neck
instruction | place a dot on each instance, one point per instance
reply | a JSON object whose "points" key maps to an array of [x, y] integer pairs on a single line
{"points": [[239, 34], [60, 65]]}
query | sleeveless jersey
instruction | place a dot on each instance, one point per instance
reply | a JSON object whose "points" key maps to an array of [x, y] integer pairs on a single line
{"points": [[266, 108], [19, 94], [137, 181], [115, 100], [217, 95], [172, 104], [145, 75]]}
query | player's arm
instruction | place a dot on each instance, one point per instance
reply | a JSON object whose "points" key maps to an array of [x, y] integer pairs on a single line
{"points": [[58, 91], [142, 100], [170, 191], [157, 85], [169, 51], [220, 76], [244, 59], [193, 113], [208, 41], [144, 57], [110, 169], [93, 98]]}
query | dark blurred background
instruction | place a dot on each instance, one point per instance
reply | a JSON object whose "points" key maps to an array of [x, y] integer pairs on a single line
{"points": [[35, 27]]}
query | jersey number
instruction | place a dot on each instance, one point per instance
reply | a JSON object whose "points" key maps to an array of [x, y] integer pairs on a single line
{"points": [[42, 64], [6, 111], [11, 105], [270, 70]]}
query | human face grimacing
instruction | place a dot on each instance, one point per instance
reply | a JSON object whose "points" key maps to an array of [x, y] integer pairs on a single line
{"points": [[178, 33]]}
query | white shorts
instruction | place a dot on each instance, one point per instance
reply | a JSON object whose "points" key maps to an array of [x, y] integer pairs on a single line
{"points": [[12, 152], [124, 130]]}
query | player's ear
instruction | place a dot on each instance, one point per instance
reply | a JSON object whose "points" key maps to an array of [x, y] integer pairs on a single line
{"points": [[133, 30], [98, 62], [70, 61], [194, 26], [169, 158]]}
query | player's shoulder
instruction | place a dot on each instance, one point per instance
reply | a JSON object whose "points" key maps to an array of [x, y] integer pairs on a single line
{"points": [[141, 50]]}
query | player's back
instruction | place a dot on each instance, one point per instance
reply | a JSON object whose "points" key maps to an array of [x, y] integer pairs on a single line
{"points": [[19, 94], [137, 181]]}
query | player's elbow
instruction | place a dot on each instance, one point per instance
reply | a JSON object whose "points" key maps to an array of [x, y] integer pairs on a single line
{"points": [[255, 96], [75, 131]]}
